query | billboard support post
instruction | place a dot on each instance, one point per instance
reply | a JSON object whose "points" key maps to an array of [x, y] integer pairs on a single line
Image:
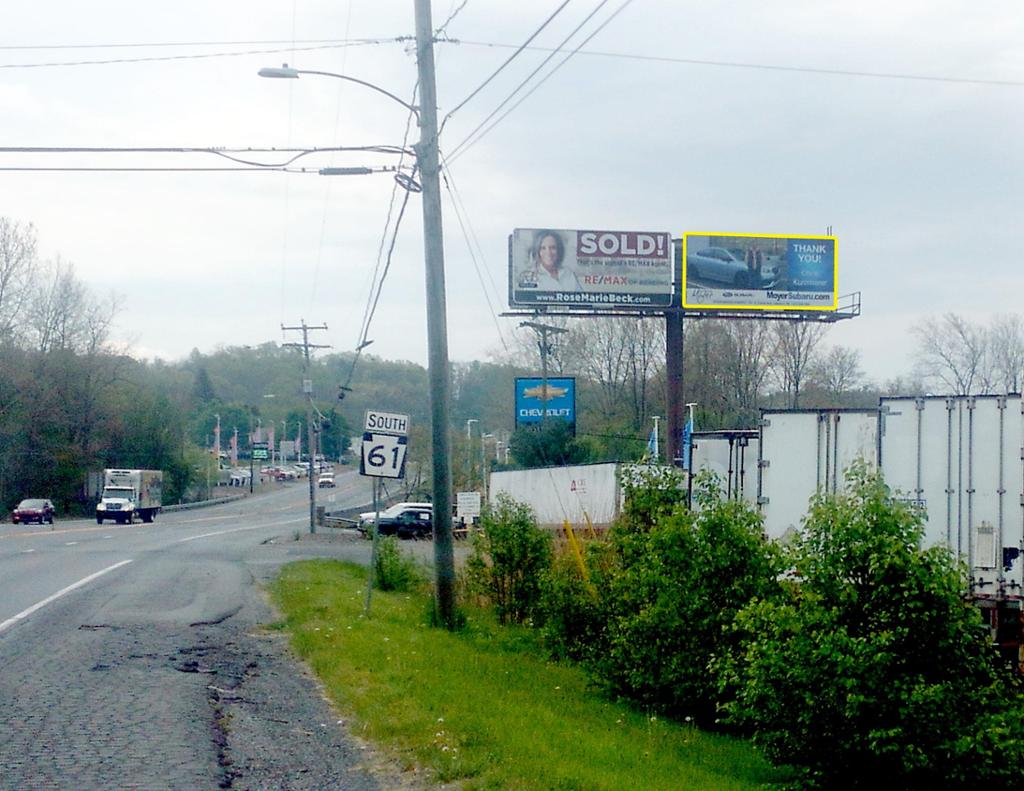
{"points": [[674, 339]]}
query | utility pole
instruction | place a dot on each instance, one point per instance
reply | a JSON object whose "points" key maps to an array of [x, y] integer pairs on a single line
{"points": [[437, 318], [469, 453], [543, 330], [307, 390]]}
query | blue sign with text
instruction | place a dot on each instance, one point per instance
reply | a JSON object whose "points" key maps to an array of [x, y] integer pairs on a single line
{"points": [[811, 264], [531, 403]]}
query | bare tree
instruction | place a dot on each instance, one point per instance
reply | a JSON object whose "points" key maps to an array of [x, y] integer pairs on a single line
{"points": [[1006, 347], [838, 371], [599, 350], [793, 355], [747, 346], [64, 316], [955, 353], [17, 269]]}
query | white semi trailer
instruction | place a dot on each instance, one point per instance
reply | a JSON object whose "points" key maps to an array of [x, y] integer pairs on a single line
{"points": [[804, 452], [732, 456], [961, 459], [580, 494]]}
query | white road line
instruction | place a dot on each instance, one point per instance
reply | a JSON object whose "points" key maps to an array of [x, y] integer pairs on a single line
{"points": [[38, 605], [70, 543], [240, 529]]}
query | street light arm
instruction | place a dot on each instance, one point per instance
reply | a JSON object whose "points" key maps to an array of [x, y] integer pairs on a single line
{"points": [[286, 72]]}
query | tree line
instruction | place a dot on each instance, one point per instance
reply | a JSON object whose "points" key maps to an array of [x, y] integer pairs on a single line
{"points": [[72, 401]]}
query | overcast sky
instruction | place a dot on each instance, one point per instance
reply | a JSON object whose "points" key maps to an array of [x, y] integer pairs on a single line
{"points": [[898, 125]]}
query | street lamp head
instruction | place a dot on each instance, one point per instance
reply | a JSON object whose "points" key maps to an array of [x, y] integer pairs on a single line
{"points": [[283, 73]]}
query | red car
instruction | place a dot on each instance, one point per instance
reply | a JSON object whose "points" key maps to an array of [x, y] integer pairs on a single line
{"points": [[33, 511]]}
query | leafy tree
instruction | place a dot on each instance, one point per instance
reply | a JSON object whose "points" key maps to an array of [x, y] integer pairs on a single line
{"points": [[550, 444], [669, 593], [510, 556], [203, 391], [874, 668]]}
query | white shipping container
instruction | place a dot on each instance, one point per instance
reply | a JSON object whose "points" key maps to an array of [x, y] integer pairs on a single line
{"points": [[804, 452], [560, 493], [960, 458]]}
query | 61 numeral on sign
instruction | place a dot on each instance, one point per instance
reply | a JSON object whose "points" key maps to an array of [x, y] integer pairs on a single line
{"points": [[383, 456]]}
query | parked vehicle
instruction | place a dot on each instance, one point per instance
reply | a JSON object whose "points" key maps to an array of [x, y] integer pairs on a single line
{"points": [[409, 523], [728, 266], [33, 510], [366, 518], [130, 494]]}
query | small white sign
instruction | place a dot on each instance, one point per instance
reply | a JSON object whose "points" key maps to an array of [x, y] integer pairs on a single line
{"points": [[467, 504], [383, 456], [386, 423]]}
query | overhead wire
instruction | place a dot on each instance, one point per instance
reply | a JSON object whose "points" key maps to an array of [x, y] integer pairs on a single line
{"points": [[470, 140], [342, 85], [520, 49], [763, 66], [448, 179], [476, 240], [381, 267], [451, 17], [156, 44], [193, 56]]}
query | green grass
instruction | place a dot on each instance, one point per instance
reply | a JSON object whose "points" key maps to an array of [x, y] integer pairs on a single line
{"points": [[482, 706]]}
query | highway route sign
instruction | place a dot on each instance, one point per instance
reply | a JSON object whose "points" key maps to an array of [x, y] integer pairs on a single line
{"points": [[386, 423], [383, 455]]}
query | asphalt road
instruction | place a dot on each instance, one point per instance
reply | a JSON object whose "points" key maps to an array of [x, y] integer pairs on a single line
{"points": [[132, 656]]}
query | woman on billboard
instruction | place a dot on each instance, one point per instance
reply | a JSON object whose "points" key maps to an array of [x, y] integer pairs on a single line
{"points": [[546, 271]]}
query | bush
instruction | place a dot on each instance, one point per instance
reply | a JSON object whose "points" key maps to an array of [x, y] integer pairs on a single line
{"points": [[670, 599], [649, 494], [569, 615], [510, 556], [874, 668], [393, 569]]}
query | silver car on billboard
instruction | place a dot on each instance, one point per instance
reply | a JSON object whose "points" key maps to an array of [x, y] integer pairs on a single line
{"points": [[728, 265]]}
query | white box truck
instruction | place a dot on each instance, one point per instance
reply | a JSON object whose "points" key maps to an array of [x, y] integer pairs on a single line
{"points": [[130, 494]]}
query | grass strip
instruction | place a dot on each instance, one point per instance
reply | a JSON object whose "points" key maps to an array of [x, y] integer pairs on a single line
{"points": [[483, 706]]}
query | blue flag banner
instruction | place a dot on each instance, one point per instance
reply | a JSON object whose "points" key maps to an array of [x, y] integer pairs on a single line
{"points": [[652, 445], [687, 444]]}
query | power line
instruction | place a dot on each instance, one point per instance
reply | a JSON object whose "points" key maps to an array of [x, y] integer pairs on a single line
{"points": [[195, 56], [157, 44], [465, 144], [449, 183], [511, 57], [451, 17], [764, 66], [371, 304]]}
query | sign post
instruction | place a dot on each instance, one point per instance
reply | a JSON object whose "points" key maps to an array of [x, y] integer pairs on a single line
{"points": [[385, 441]]}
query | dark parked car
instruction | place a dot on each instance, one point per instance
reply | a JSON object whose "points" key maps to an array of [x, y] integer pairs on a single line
{"points": [[411, 523], [35, 510]]}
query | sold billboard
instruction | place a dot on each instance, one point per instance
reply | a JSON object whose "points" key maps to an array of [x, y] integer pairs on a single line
{"points": [[589, 269], [731, 271], [534, 397]]}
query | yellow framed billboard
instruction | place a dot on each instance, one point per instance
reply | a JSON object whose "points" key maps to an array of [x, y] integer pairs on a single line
{"points": [[744, 271]]}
